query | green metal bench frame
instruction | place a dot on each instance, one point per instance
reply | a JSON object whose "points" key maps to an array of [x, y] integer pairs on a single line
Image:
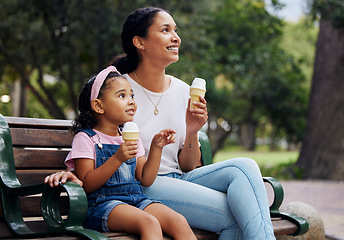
{"points": [[11, 190]]}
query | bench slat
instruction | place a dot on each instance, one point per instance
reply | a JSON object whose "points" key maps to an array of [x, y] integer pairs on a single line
{"points": [[39, 158], [283, 227], [28, 177], [31, 206], [36, 225], [24, 122], [41, 137]]}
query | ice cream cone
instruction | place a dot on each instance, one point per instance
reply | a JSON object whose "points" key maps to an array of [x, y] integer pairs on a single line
{"points": [[130, 132], [197, 89], [130, 136]]}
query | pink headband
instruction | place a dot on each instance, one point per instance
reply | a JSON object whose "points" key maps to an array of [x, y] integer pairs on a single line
{"points": [[98, 82]]}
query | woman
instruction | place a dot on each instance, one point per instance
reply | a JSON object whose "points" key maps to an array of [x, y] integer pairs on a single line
{"points": [[227, 197]]}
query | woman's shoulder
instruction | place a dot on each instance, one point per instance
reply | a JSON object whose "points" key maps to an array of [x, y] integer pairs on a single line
{"points": [[178, 81], [179, 85]]}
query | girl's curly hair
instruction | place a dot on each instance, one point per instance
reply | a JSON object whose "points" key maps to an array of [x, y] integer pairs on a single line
{"points": [[86, 119]]}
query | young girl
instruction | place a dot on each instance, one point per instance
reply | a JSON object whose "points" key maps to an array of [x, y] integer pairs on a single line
{"points": [[112, 170]]}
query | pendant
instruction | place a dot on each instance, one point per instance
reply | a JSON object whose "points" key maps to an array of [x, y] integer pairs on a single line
{"points": [[100, 145], [156, 111]]}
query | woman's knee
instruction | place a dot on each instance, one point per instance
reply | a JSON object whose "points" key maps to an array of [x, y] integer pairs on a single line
{"points": [[244, 166], [244, 162]]}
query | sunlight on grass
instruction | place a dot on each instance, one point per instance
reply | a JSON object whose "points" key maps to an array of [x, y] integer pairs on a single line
{"points": [[278, 164], [261, 157]]}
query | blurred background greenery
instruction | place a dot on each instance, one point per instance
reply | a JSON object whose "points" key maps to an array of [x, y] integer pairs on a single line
{"points": [[258, 67]]}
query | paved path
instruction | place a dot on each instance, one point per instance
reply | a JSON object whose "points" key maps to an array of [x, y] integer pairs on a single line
{"points": [[327, 197]]}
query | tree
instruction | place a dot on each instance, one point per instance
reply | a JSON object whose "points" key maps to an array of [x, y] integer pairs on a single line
{"points": [[69, 40], [231, 43], [249, 77], [322, 153]]}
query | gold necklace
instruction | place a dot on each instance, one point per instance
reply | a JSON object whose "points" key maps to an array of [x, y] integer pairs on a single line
{"points": [[156, 111]]}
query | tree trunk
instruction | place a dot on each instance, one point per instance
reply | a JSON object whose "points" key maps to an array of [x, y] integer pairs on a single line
{"points": [[248, 135], [18, 99], [322, 153]]}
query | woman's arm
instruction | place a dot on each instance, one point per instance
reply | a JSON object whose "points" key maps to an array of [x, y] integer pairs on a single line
{"points": [[190, 155], [147, 170]]}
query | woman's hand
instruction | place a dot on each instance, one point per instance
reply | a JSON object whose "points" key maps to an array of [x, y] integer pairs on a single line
{"points": [[196, 118], [54, 179]]}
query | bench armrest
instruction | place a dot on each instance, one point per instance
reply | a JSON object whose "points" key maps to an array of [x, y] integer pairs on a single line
{"points": [[206, 154], [77, 211], [301, 223], [278, 193], [50, 210], [50, 206]]}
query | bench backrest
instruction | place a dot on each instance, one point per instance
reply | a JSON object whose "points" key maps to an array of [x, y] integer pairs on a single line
{"points": [[39, 149], [39, 146]]}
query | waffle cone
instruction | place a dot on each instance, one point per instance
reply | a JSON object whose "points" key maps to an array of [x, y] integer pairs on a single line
{"points": [[195, 93], [130, 136]]}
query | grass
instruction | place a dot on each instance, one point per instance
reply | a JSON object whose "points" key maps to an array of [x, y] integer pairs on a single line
{"points": [[278, 164]]}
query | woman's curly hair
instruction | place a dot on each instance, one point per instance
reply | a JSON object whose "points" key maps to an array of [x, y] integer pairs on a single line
{"points": [[136, 24]]}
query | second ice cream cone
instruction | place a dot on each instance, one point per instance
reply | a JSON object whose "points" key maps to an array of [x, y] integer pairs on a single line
{"points": [[195, 93]]}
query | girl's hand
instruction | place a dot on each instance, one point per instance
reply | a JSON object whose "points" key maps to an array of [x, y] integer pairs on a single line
{"points": [[63, 176], [164, 137], [126, 151], [196, 118]]}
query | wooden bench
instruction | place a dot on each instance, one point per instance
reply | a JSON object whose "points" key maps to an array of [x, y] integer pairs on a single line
{"points": [[30, 149]]}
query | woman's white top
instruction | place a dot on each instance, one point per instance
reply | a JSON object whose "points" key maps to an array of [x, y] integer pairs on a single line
{"points": [[172, 112]]}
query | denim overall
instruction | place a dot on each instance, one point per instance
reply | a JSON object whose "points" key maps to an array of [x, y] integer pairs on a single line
{"points": [[121, 188]]}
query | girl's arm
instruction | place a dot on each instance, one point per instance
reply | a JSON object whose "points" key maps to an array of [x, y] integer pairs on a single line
{"points": [[94, 178], [147, 170], [190, 155]]}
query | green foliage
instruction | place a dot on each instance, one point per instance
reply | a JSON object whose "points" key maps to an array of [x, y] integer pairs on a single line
{"points": [[264, 79], [332, 10], [70, 40], [284, 171], [233, 44], [299, 39]]}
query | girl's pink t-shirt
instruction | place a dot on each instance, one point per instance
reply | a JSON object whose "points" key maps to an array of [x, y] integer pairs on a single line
{"points": [[83, 146]]}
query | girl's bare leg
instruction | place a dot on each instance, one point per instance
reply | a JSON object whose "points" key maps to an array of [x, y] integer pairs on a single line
{"points": [[133, 220], [172, 223]]}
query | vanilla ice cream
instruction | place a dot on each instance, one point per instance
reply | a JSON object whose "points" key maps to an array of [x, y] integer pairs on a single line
{"points": [[130, 132]]}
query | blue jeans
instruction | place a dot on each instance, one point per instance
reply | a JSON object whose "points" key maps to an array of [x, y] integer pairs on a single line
{"points": [[228, 197]]}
